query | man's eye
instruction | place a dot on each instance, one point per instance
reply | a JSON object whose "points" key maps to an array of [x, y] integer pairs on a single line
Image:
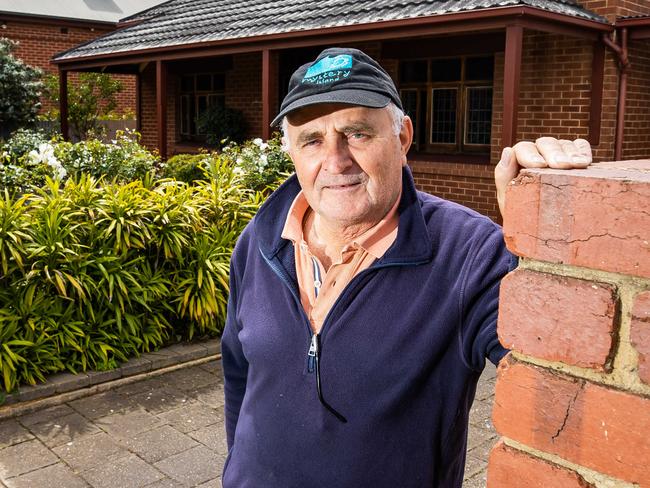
{"points": [[309, 143], [358, 135]]}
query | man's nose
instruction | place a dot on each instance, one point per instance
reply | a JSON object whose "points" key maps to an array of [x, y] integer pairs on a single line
{"points": [[337, 157]]}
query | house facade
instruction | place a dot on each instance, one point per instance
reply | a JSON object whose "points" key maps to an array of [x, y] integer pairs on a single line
{"points": [[474, 75], [43, 29]]}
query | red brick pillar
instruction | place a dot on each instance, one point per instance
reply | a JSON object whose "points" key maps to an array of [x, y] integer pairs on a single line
{"points": [[573, 398]]}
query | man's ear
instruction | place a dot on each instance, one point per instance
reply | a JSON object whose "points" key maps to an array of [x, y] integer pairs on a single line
{"points": [[406, 137]]}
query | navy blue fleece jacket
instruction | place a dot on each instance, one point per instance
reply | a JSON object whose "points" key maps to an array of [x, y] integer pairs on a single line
{"points": [[401, 351]]}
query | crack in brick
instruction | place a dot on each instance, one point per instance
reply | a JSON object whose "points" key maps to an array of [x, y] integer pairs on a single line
{"points": [[548, 242], [566, 415]]}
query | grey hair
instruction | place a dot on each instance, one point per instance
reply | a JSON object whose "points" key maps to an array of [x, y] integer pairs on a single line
{"points": [[396, 115]]}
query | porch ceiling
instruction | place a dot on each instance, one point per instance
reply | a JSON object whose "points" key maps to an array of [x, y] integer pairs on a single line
{"points": [[192, 24]]}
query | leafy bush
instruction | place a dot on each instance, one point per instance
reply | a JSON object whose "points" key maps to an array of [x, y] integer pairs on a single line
{"points": [[92, 274], [26, 160], [22, 141], [262, 165], [20, 90], [28, 157], [91, 97], [222, 124], [186, 167], [124, 159]]}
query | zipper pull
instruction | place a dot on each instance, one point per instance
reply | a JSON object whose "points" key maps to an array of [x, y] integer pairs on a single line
{"points": [[317, 285], [311, 354]]}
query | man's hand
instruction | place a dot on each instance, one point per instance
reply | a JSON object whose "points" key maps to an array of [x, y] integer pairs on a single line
{"points": [[544, 152]]}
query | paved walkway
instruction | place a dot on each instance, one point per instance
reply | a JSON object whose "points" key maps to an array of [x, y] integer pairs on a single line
{"points": [[165, 431]]}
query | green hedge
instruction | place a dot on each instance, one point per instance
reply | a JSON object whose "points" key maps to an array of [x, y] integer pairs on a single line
{"points": [[92, 273]]}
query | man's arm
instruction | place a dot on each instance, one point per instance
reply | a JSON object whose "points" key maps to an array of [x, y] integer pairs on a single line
{"points": [[544, 152], [235, 365]]}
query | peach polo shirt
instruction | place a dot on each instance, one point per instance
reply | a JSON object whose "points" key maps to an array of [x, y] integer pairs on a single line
{"points": [[319, 288]]}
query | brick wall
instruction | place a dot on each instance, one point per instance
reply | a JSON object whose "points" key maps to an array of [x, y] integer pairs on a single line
{"points": [[637, 108], [573, 398], [610, 9], [244, 89], [148, 127], [471, 185], [40, 41], [555, 88], [555, 93]]}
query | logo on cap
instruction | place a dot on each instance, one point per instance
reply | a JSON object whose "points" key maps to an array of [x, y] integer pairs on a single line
{"points": [[329, 70]]}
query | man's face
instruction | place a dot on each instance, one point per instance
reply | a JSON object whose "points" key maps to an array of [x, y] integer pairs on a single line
{"points": [[348, 161]]}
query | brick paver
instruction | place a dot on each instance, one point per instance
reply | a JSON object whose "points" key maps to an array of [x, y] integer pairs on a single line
{"points": [[165, 431]]}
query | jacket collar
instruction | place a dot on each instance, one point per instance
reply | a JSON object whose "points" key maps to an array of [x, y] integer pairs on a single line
{"points": [[412, 245]]}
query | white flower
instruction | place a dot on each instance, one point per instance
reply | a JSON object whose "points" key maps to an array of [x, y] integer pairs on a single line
{"points": [[264, 146], [59, 172], [34, 157], [257, 141]]}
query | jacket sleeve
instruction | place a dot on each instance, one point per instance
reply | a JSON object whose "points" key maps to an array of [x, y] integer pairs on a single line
{"points": [[235, 365], [490, 262]]}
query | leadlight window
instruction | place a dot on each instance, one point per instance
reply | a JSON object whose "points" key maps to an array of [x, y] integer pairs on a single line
{"points": [[478, 115], [443, 115], [198, 92], [450, 102]]}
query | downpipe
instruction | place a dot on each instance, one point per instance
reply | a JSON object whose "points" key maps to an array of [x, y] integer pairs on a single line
{"points": [[623, 67]]}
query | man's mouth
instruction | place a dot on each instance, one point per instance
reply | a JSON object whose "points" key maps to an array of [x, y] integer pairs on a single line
{"points": [[345, 186]]}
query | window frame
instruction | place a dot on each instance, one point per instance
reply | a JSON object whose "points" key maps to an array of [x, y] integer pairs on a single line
{"points": [[213, 95], [461, 86], [466, 114]]}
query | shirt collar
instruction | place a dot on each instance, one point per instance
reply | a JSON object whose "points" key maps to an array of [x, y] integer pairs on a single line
{"points": [[375, 240]]}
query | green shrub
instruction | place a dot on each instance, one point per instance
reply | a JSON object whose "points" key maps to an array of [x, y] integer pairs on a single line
{"points": [[20, 90], [186, 167], [124, 159], [262, 165], [96, 270], [26, 160], [92, 273], [221, 124], [29, 157], [22, 141]]}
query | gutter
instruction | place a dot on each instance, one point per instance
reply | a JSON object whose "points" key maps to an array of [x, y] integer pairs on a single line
{"points": [[620, 49], [56, 20]]}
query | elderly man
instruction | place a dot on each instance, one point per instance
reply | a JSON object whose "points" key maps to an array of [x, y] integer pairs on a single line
{"points": [[361, 311]]}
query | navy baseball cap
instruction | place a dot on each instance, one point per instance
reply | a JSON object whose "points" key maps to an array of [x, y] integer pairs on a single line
{"points": [[339, 75]]}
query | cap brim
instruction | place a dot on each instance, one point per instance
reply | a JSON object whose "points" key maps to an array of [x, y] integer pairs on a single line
{"points": [[362, 98]]}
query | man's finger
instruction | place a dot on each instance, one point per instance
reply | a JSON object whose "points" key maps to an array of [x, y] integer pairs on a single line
{"points": [[573, 151], [584, 149], [569, 148], [504, 172], [528, 156], [552, 151]]}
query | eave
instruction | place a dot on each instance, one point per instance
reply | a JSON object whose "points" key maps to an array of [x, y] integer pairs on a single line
{"points": [[638, 27], [58, 21], [454, 23]]}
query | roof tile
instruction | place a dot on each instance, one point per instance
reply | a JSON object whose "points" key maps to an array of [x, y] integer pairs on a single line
{"points": [[179, 22]]}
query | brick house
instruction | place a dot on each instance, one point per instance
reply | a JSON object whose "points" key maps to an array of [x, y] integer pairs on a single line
{"points": [[474, 75], [43, 29]]}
